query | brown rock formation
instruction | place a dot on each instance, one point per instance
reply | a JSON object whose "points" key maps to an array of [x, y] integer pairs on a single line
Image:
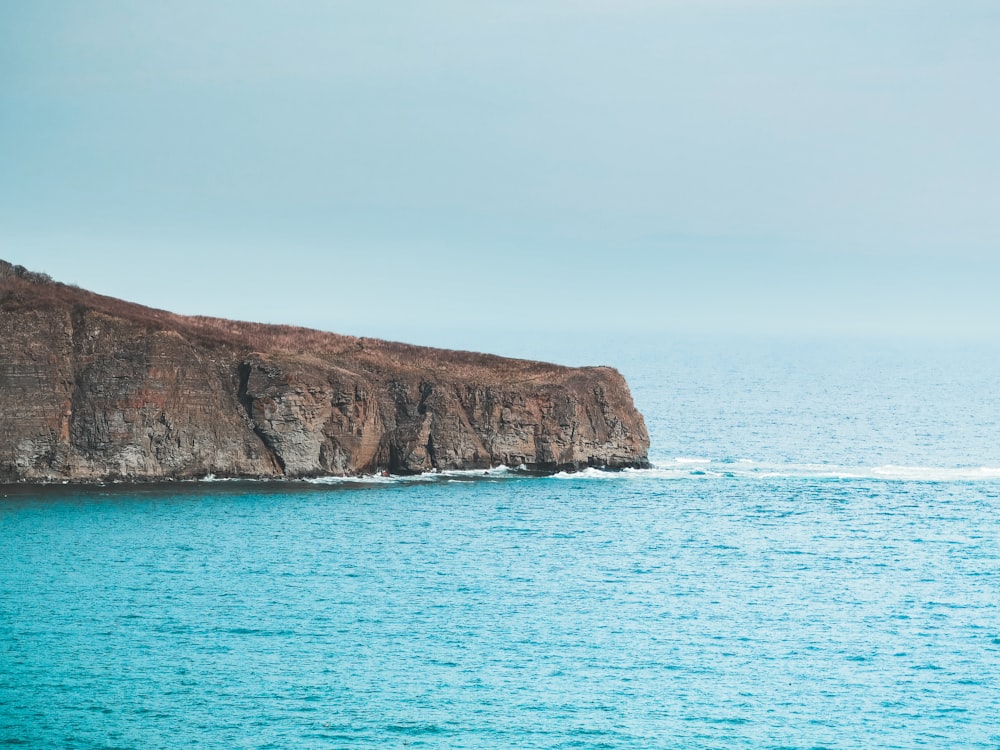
{"points": [[94, 388]]}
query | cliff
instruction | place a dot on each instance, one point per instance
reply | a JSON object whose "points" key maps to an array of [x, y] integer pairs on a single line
{"points": [[94, 388]]}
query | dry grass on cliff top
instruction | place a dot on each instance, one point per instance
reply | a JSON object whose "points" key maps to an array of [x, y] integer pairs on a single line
{"points": [[22, 290]]}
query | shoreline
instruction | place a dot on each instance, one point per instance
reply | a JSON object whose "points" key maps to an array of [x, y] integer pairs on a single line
{"points": [[298, 483]]}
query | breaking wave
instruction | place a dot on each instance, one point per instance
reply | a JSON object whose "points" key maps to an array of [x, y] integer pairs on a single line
{"points": [[680, 468], [701, 468], [430, 476]]}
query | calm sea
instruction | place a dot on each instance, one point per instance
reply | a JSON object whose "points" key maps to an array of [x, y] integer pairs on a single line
{"points": [[814, 562]]}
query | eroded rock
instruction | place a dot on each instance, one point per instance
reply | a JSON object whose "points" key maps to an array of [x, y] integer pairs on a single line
{"points": [[93, 388]]}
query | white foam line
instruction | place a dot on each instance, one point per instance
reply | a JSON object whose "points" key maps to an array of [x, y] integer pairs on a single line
{"points": [[428, 476], [683, 468], [589, 473], [749, 469]]}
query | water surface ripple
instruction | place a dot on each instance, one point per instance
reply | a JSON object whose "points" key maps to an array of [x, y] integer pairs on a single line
{"points": [[635, 611]]}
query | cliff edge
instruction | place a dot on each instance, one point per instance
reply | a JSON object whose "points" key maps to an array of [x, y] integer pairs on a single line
{"points": [[93, 388]]}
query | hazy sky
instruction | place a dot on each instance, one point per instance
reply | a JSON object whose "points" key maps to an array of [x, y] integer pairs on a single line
{"points": [[408, 168]]}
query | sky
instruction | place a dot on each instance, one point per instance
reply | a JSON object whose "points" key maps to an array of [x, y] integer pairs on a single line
{"points": [[416, 170]]}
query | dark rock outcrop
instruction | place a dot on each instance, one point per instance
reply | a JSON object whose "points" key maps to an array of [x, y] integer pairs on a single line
{"points": [[93, 388]]}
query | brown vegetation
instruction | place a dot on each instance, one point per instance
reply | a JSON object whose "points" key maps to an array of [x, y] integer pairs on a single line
{"points": [[20, 289]]}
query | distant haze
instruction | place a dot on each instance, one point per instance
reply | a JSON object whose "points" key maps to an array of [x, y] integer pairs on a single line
{"points": [[407, 170]]}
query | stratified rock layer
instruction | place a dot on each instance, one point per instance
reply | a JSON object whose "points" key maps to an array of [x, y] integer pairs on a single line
{"points": [[93, 388]]}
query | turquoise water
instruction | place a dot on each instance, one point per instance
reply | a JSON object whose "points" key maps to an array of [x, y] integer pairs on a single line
{"points": [[814, 562]]}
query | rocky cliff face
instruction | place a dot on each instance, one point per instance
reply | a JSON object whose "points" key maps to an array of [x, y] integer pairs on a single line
{"points": [[93, 388]]}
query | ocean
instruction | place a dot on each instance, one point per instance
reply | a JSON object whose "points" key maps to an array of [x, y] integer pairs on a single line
{"points": [[813, 562]]}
